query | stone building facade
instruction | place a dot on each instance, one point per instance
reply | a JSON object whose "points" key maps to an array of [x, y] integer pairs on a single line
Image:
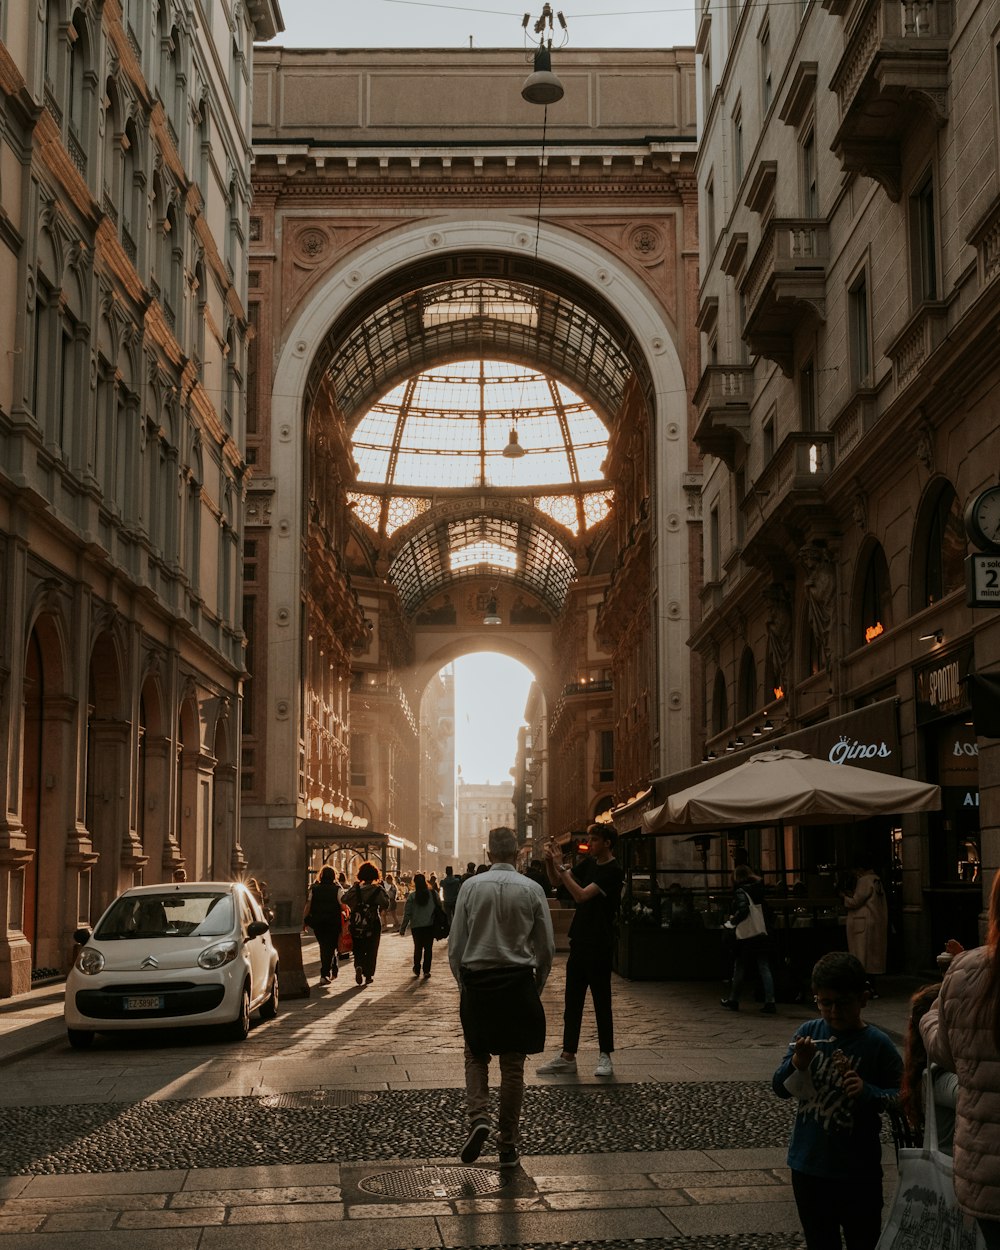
{"points": [[124, 206], [381, 178], [848, 310]]}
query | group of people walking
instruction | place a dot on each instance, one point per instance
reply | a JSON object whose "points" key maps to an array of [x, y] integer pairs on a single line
{"points": [[841, 1072]]}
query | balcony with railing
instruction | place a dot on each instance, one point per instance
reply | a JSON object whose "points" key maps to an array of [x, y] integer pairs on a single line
{"points": [[785, 286], [723, 402], [788, 495], [896, 61]]}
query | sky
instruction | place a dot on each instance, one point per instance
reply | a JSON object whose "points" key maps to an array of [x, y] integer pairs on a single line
{"points": [[490, 693], [488, 23]]}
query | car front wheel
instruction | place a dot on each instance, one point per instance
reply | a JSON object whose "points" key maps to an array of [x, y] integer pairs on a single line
{"points": [[80, 1039], [269, 1007], [240, 1027]]}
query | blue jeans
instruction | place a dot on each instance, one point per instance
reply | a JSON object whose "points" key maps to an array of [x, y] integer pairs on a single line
{"points": [[745, 960]]}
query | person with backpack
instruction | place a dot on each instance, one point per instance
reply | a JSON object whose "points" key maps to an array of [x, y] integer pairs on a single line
{"points": [[367, 900], [322, 914]]}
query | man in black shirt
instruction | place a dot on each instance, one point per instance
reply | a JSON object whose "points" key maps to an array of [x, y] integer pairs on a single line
{"points": [[595, 885]]}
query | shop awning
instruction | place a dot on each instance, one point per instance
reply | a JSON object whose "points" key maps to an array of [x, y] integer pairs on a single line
{"points": [[789, 785]]}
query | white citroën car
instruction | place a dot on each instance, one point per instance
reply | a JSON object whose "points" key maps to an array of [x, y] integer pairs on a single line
{"points": [[173, 956]]}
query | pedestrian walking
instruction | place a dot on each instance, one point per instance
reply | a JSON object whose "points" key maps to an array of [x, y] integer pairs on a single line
{"points": [[595, 885], [391, 918], [962, 1033], [500, 949], [418, 916], [753, 942], [322, 914], [842, 1072], [450, 886], [368, 901]]}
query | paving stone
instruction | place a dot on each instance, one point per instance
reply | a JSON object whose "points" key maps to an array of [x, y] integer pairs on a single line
{"points": [[280, 1176], [754, 1217], [392, 1210], [740, 1194], [300, 1213], [199, 1217], [96, 1239], [531, 1227], [70, 1221], [594, 1182], [255, 1197], [578, 1200], [86, 1202], [402, 1234], [65, 1185]]}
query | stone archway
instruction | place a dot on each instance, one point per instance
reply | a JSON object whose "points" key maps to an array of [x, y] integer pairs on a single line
{"points": [[605, 274]]}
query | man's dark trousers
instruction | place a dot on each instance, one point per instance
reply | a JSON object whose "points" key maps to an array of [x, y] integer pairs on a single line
{"points": [[588, 969]]}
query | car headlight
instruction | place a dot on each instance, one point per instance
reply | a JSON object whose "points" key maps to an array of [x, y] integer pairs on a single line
{"points": [[220, 954], [90, 961]]}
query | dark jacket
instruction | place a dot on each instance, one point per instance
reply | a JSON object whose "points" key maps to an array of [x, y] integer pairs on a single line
{"points": [[501, 1011], [324, 907]]}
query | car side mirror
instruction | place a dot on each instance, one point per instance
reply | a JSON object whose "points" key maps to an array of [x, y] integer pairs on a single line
{"points": [[81, 936], [256, 928]]}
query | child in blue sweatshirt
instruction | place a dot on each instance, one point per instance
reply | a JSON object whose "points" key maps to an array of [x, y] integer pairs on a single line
{"points": [[842, 1071]]}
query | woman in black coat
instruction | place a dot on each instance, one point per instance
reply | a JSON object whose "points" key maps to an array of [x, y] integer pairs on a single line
{"points": [[322, 914]]}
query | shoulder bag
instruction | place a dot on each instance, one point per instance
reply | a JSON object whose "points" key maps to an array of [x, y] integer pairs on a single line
{"points": [[440, 924], [924, 1211], [754, 925]]}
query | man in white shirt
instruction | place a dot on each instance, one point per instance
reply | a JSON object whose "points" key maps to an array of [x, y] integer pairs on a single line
{"points": [[500, 948]]}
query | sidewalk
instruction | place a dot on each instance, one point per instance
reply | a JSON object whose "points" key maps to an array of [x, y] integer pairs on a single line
{"points": [[194, 1144]]}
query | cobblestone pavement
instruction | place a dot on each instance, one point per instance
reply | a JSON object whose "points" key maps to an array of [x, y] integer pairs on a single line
{"points": [[182, 1140]]}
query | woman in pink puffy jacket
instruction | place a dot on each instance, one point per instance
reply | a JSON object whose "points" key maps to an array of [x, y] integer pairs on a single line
{"points": [[962, 1033]]}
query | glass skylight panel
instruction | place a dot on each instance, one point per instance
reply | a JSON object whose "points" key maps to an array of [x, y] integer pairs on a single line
{"points": [[596, 507], [561, 508], [367, 508], [589, 461], [373, 463], [402, 510], [483, 553]]}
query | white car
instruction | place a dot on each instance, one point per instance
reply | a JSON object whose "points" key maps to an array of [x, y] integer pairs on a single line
{"points": [[173, 956]]}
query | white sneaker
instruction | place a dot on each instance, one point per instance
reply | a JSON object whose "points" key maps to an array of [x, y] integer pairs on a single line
{"points": [[604, 1067], [557, 1067]]}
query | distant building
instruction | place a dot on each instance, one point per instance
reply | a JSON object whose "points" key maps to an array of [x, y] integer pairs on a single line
{"points": [[481, 807]]}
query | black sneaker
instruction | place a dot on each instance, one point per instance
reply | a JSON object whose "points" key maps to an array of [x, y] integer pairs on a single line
{"points": [[475, 1142], [730, 1005], [769, 1009], [509, 1158]]}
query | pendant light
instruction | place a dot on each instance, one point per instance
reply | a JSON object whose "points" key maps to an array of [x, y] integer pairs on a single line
{"points": [[513, 450], [492, 616]]}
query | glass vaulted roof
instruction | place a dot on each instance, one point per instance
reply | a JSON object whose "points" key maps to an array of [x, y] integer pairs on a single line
{"points": [[448, 428]]}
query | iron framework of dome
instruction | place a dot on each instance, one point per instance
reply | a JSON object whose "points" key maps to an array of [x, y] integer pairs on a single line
{"points": [[476, 453]]}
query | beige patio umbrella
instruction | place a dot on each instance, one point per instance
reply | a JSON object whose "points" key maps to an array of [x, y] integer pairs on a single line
{"points": [[789, 785]]}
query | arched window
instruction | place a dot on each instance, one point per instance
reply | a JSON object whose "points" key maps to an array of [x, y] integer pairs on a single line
{"points": [[131, 191], [80, 95], [939, 547], [50, 67], [873, 612], [111, 166], [720, 704], [747, 693]]}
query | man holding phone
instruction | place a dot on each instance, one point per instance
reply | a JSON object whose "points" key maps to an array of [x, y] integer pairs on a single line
{"points": [[595, 885]]}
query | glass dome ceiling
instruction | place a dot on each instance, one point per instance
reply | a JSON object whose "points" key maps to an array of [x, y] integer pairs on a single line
{"points": [[448, 428]]}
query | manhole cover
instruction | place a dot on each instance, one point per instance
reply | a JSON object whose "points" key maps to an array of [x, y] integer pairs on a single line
{"points": [[434, 1183], [318, 1098]]}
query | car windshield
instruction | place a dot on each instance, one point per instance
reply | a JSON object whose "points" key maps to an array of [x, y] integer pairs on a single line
{"points": [[167, 916]]}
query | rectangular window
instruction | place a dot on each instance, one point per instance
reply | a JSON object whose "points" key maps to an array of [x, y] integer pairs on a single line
{"points": [[738, 144], [710, 214], [766, 85], [253, 319], [360, 759], [767, 440], [706, 80], [739, 494], [606, 769], [741, 312], [807, 397], [250, 659], [923, 242], [810, 186], [860, 330], [714, 545]]}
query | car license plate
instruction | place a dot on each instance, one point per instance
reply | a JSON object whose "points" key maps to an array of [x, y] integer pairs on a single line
{"points": [[146, 1002]]}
